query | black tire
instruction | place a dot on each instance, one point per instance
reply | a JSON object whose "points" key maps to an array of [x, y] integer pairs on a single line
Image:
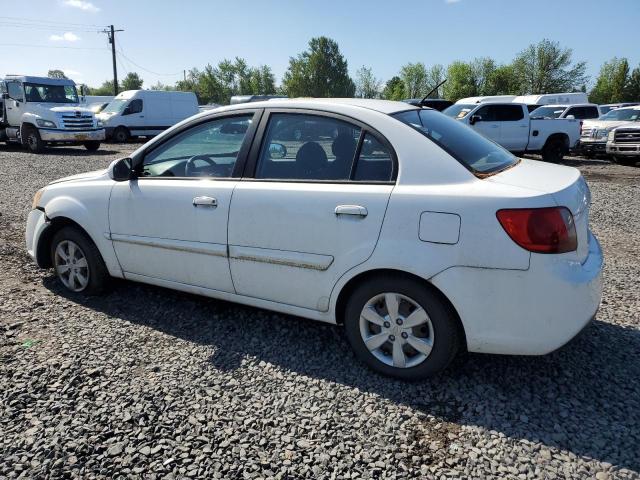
{"points": [[120, 135], [446, 331], [554, 150], [629, 162], [98, 274], [92, 146], [31, 139]]}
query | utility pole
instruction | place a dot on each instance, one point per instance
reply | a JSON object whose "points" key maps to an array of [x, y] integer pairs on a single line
{"points": [[111, 32]]}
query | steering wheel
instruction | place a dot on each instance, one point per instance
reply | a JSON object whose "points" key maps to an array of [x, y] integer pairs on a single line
{"points": [[190, 168]]}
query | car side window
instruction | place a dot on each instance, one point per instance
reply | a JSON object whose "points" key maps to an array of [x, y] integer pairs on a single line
{"points": [[307, 147], [590, 112], [206, 150], [135, 106], [487, 113], [508, 113], [14, 89], [375, 163]]}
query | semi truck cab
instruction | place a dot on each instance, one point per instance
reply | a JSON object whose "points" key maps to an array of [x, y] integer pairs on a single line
{"points": [[41, 111]]}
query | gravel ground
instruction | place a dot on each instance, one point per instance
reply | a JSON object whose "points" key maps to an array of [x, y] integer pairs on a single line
{"points": [[146, 382]]}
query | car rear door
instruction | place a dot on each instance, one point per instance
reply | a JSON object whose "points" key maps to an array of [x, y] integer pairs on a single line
{"points": [[514, 126], [170, 224], [311, 207]]}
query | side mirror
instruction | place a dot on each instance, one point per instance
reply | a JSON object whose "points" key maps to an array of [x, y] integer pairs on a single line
{"points": [[5, 95], [474, 119], [277, 151], [127, 110], [121, 170], [570, 117]]}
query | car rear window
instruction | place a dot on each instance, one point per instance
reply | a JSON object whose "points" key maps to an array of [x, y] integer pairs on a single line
{"points": [[477, 153]]}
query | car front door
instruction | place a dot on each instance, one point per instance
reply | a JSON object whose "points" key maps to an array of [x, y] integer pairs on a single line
{"points": [[170, 223], [486, 123], [313, 208], [514, 127]]}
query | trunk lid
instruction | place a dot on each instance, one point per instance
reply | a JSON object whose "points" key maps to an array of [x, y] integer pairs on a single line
{"points": [[566, 186]]}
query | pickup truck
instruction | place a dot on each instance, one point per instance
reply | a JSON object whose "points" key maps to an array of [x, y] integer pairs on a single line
{"points": [[623, 144], [509, 125], [594, 135]]}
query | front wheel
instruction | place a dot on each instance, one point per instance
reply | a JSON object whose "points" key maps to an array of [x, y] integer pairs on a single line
{"points": [[78, 263], [92, 146], [627, 161], [31, 139], [120, 135], [400, 328]]}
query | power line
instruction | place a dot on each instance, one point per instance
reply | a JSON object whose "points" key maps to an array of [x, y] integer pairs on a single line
{"points": [[49, 46], [49, 22], [43, 27], [145, 69]]}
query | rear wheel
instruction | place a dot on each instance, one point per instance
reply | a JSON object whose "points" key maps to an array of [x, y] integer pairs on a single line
{"points": [[92, 146], [399, 328], [78, 263], [553, 150], [120, 135], [31, 139], [628, 161]]}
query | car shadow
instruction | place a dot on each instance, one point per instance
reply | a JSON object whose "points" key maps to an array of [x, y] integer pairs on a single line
{"points": [[58, 151], [572, 399]]}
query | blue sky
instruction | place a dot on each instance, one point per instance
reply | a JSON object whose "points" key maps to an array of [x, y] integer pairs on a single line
{"points": [[167, 37]]}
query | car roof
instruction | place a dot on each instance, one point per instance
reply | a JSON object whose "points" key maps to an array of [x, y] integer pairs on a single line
{"points": [[382, 106], [42, 80], [565, 105]]}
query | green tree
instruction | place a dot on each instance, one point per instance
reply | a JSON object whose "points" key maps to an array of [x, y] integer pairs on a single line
{"points": [[414, 77], [435, 75], [545, 67], [105, 89], [56, 74], [482, 70], [502, 81], [394, 89], [460, 81], [161, 86], [632, 90], [611, 84], [132, 82], [367, 85], [320, 71]]}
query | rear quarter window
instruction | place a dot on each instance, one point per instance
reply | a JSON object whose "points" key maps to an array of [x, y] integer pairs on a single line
{"points": [[478, 154]]}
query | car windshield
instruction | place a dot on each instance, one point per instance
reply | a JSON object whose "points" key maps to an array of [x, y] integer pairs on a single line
{"points": [[117, 105], [37, 92], [630, 114], [477, 153], [547, 112], [458, 110]]}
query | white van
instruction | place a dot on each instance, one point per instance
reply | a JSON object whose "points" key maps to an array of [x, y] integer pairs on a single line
{"points": [[486, 99], [570, 98], [145, 112]]}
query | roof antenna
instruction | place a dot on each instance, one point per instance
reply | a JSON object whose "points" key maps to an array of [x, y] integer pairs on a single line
{"points": [[421, 102]]}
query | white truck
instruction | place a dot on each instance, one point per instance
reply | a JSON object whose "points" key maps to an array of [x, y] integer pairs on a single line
{"points": [[41, 111], [594, 135], [509, 125]]}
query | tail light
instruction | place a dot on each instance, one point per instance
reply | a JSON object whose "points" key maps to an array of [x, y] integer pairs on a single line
{"points": [[540, 230]]}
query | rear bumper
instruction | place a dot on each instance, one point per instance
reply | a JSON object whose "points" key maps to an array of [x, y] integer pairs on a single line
{"points": [[530, 312], [591, 147], [623, 149], [52, 135]]}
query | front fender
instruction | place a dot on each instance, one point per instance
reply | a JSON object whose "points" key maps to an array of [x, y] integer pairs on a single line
{"points": [[93, 219]]}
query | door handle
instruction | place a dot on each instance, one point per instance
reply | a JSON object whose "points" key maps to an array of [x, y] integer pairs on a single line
{"points": [[205, 202], [495, 126], [355, 210]]}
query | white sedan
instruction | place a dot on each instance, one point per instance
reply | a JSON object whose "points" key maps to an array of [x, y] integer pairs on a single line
{"points": [[417, 234]]}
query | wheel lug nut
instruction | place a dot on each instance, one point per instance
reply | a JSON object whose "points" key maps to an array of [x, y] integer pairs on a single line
{"points": [[387, 324], [399, 321], [405, 335], [392, 337]]}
